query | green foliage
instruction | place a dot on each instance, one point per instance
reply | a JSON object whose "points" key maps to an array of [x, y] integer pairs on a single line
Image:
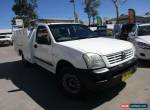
{"points": [[24, 9], [91, 8]]}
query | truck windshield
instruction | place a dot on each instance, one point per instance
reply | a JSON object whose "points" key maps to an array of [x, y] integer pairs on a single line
{"points": [[144, 30], [67, 32]]}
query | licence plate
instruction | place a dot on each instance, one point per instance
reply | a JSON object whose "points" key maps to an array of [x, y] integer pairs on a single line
{"points": [[126, 75]]}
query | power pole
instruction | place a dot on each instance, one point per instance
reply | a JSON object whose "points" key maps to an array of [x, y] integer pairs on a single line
{"points": [[74, 10], [116, 4]]}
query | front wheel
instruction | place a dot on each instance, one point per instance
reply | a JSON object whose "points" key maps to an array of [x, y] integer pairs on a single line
{"points": [[70, 82]]}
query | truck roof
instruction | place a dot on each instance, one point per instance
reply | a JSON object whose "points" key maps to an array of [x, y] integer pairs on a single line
{"points": [[61, 23], [55, 23]]}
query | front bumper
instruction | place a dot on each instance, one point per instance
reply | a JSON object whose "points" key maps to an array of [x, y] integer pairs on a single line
{"points": [[107, 79], [5, 42]]}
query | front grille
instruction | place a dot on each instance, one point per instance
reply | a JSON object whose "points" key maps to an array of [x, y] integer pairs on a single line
{"points": [[1, 37], [120, 56]]}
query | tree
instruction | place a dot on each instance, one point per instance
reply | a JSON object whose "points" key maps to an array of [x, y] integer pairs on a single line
{"points": [[87, 9], [91, 8], [96, 4], [117, 6], [24, 9]]}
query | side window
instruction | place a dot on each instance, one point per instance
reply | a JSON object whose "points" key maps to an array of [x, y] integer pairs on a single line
{"points": [[42, 36], [61, 32]]}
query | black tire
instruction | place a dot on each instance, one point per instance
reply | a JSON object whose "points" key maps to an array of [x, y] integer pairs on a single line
{"points": [[70, 82]]}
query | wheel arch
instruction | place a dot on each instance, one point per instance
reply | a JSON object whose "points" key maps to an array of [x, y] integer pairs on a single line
{"points": [[62, 63]]}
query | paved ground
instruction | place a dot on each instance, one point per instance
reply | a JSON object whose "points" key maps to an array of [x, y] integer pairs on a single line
{"points": [[33, 88]]}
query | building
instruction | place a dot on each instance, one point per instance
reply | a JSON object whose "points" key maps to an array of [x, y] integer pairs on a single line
{"points": [[124, 19]]}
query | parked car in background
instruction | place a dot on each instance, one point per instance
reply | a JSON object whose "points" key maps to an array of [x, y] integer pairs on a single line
{"points": [[101, 30], [140, 37], [93, 28], [5, 40]]}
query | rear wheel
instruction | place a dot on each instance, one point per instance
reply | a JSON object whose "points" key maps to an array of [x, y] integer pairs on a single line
{"points": [[70, 82]]}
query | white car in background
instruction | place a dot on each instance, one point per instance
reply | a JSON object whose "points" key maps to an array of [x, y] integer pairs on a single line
{"points": [[5, 40], [140, 36]]}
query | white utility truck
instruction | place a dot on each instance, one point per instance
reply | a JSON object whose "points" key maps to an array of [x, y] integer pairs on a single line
{"points": [[80, 59]]}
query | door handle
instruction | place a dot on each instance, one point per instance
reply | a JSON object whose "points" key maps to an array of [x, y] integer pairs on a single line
{"points": [[35, 46]]}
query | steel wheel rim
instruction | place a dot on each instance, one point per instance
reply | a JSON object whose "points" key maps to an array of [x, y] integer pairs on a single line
{"points": [[71, 83]]}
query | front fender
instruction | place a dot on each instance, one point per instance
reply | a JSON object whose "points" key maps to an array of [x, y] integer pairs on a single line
{"points": [[70, 55]]}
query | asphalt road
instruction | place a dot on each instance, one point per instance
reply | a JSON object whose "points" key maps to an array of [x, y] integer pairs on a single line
{"points": [[33, 88]]}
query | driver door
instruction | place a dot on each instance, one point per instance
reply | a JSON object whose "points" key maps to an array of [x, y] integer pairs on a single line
{"points": [[42, 48]]}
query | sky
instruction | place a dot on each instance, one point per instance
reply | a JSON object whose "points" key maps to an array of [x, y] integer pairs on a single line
{"points": [[64, 9]]}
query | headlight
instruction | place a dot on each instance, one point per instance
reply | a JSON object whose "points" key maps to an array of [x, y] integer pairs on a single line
{"points": [[143, 45], [93, 61]]}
